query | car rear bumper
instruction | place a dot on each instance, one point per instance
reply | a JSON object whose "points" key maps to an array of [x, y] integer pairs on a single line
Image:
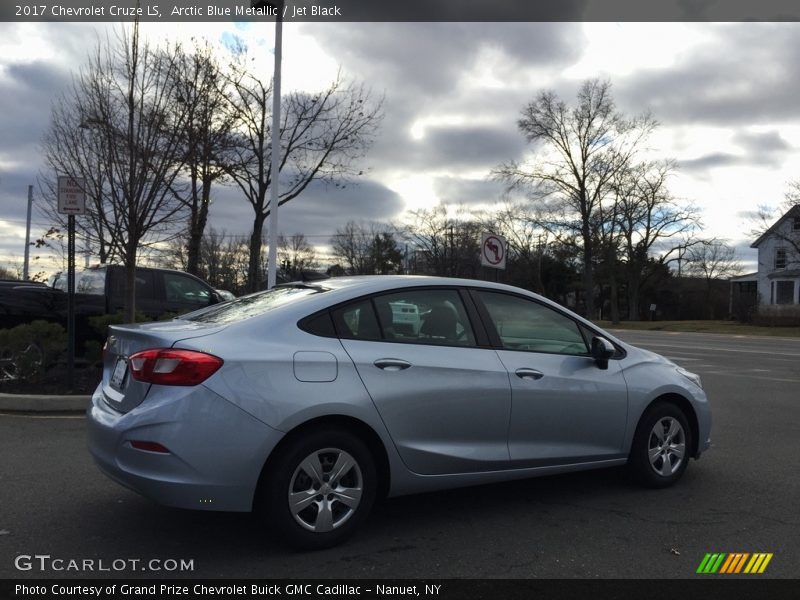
{"points": [[216, 450]]}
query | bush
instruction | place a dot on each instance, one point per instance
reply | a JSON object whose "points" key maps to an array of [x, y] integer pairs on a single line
{"points": [[93, 352], [101, 323], [27, 350], [778, 315]]}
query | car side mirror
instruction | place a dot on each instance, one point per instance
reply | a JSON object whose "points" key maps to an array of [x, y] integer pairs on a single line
{"points": [[602, 350], [216, 297]]}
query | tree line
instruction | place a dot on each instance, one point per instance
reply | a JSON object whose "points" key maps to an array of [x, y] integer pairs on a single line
{"points": [[153, 130]]}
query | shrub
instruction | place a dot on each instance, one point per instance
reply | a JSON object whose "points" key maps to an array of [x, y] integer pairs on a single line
{"points": [[93, 352], [27, 350], [101, 323]]}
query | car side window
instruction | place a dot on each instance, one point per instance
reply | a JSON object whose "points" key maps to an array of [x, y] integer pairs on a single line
{"points": [[426, 316], [145, 284], [179, 288], [356, 321], [418, 316], [91, 282], [524, 324]]}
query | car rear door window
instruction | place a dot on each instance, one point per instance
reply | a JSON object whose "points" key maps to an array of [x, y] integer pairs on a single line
{"points": [[524, 324], [425, 316]]}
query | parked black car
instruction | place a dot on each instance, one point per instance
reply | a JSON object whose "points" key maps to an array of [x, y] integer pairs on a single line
{"points": [[100, 291]]}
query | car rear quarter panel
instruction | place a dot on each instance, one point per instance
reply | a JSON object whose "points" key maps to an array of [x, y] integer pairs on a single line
{"points": [[260, 374]]}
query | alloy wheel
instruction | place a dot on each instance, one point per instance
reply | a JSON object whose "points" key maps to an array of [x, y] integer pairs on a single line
{"points": [[666, 447], [325, 490]]}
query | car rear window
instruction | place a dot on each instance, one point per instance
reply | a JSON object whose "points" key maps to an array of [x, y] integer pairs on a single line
{"points": [[251, 305]]}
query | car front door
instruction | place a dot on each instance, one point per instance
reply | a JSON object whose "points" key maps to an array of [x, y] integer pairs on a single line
{"points": [[564, 408], [445, 400]]}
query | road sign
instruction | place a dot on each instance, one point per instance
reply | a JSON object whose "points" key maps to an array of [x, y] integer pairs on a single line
{"points": [[71, 195], [493, 251]]}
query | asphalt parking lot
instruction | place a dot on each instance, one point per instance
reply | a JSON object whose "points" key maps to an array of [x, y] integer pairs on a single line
{"points": [[740, 497]]}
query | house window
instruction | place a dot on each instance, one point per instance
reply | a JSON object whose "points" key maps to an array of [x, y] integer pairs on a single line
{"points": [[784, 292], [780, 258], [796, 224]]}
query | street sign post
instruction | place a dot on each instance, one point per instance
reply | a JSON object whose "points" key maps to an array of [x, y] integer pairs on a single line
{"points": [[71, 202]]}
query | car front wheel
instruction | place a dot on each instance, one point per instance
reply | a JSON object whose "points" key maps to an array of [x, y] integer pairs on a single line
{"points": [[320, 488], [661, 446]]}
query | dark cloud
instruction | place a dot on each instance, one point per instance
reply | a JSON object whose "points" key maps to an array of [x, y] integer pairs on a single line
{"points": [[456, 190], [711, 161], [27, 93], [745, 75], [424, 60], [318, 212], [767, 149], [452, 146], [28, 89], [769, 142]]}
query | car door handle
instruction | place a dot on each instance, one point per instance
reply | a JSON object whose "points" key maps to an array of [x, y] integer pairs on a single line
{"points": [[391, 364], [530, 374]]}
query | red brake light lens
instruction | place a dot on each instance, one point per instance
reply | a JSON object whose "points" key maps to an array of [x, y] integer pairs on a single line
{"points": [[167, 366], [149, 446]]}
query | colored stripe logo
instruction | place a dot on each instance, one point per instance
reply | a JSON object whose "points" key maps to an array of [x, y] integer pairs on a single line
{"points": [[734, 563]]}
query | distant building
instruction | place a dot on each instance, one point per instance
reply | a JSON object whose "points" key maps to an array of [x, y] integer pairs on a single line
{"points": [[744, 297], [778, 277]]}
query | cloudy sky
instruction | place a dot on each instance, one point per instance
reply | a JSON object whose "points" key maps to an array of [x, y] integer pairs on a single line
{"points": [[726, 96]]}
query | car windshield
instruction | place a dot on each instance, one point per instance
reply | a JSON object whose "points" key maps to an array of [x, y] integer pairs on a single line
{"points": [[251, 305]]}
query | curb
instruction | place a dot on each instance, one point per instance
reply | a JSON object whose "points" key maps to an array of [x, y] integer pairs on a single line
{"points": [[43, 403]]}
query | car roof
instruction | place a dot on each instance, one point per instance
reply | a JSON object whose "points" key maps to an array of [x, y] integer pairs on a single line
{"points": [[376, 283]]}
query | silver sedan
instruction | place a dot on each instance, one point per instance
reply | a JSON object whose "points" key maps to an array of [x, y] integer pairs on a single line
{"points": [[307, 402]]}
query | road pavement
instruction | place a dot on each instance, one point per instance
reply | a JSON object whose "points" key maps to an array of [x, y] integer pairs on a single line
{"points": [[742, 496]]}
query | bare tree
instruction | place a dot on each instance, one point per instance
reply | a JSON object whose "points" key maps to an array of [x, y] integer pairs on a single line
{"points": [[367, 249], [713, 259], [204, 94], [579, 150], [73, 146], [351, 245], [296, 255], [222, 260], [125, 96], [446, 245], [652, 225], [322, 136]]}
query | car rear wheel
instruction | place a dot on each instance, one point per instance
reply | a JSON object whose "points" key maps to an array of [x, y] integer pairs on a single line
{"points": [[319, 489], [661, 447]]}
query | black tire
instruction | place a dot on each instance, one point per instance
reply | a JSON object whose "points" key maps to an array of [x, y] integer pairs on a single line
{"points": [[654, 460], [329, 502]]}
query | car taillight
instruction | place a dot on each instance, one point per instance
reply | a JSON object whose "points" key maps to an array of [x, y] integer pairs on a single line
{"points": [[167, 366]]}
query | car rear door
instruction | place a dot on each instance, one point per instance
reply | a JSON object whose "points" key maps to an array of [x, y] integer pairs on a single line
{"points": [[445, 400], [564, 408]]}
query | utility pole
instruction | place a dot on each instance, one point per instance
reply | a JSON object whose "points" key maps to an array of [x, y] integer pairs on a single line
{"points": [[272, 257], [26, 264]]}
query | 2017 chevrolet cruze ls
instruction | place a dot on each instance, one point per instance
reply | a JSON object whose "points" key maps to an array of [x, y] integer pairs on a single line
{"points": [[308, 401]]}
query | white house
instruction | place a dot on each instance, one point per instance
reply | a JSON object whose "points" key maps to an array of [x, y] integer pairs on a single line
{"points": [[779, 264]]}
